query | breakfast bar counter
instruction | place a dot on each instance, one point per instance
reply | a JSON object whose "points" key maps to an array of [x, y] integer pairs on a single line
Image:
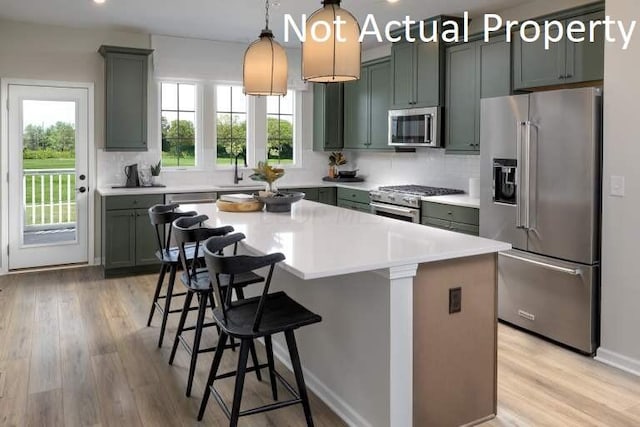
{"points": [[408, 335]]}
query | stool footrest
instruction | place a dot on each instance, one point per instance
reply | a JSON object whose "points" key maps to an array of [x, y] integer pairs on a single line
{"points": [[265, 408]]}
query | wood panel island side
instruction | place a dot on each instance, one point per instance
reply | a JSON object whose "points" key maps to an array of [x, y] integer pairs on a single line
{"points": [[388, 351]]}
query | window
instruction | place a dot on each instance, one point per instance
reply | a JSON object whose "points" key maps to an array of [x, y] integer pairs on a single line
{"points": [[178, 123], [231, 123], [280, 129]]}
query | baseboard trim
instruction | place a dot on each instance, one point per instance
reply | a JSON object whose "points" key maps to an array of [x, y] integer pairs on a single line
{"points": [[618, 360], [332, 400]]}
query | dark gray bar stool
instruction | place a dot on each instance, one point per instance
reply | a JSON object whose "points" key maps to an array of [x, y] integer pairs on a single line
{"points": [[252, 318], [160, 216], [189, 233]]}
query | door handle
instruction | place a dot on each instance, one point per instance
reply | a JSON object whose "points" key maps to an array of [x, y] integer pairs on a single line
{"points": [[522, 179], [570, 271], [81, 189]]}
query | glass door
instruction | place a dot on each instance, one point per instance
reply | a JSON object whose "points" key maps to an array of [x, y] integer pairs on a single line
{"points": [[48, 156]]}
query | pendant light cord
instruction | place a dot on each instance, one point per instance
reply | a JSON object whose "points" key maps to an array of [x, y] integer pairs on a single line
{"points": [[266, 15]]}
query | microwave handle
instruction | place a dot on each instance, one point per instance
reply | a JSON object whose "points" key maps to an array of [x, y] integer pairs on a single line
{"points": [[428, 119]]}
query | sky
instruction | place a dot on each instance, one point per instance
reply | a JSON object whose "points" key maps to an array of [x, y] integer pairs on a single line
{"points": [[48, 113]]}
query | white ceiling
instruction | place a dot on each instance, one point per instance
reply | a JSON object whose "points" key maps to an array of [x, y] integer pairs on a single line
{"points": [[228, 20]]}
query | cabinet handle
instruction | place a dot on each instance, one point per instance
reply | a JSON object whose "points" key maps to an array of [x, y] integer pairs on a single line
{"points": [[568, 76], [562, 76]]}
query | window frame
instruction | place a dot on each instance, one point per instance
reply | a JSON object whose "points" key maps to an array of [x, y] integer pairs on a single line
{"points": [[294, 126], [200, 163], [206, 127]]}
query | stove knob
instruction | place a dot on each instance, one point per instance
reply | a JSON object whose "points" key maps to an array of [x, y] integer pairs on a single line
{"points": [[391, 197]]}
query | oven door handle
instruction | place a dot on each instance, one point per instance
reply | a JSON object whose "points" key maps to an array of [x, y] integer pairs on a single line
{"points": [[394, 209]]}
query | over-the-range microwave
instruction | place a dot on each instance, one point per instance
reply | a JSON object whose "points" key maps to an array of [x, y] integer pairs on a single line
{"points": [[418, 127]]}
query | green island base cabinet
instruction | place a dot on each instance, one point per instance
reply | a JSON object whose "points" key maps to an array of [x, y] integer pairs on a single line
{"points": [[455, 218], [357, 200], [129, 240]]}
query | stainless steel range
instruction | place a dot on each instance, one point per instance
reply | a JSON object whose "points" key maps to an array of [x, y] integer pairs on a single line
{"points": [[403, 201]]}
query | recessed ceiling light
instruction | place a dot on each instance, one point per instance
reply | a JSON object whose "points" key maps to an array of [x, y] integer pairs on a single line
{"points": [[393, 1], [99, 1]]}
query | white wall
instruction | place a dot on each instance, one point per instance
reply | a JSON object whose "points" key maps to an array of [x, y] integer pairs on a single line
{"points": [[621, 235], [44, 52]]}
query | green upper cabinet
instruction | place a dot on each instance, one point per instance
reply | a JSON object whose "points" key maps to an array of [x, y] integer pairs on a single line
{"points": [[126, 79], [417, 70], [474, 70], [415, 78], [462, 98], [403, 74], [366, 107], [564, 62], [495, 67], [328, 114]]}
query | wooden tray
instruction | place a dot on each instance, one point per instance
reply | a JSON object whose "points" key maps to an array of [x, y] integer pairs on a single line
{"points": [[253, 206]]}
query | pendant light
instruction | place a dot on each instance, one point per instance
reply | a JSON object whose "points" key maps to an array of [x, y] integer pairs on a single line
{"points": [[334, 59], [265, 64]]}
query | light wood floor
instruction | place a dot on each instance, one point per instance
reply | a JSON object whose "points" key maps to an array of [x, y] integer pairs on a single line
{"points": [[75, 351]]}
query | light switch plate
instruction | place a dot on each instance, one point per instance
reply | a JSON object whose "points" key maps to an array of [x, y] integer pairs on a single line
{"points": [[617, 186]]}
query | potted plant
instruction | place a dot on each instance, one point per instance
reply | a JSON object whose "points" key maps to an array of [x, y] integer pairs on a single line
{"points": [[274, 200], [336, 159], [155, 172], [269, 174]]}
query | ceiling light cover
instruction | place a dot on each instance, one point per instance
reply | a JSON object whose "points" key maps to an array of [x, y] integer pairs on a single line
{"points": [[332, 60], [265, 65]]}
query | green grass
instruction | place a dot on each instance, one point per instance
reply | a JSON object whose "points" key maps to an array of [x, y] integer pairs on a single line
{"points": [[48, 218], [169, 161], [49, 163]]}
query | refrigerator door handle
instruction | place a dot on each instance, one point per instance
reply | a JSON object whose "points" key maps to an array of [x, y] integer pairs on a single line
{"points": [[532, 174], [570, 271], [522, 185]]}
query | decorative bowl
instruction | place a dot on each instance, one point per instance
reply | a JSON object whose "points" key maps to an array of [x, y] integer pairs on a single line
{"points": [[280, 201], [250, 206], [348, 174]]}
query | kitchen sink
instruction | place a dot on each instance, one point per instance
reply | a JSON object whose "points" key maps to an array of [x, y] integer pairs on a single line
{"points": [[239, 186]]}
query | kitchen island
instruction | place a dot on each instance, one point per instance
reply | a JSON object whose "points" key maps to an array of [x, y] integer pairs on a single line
{"points": [[388, 352]]}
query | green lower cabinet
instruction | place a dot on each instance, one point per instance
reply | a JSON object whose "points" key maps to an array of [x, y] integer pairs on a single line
{"points": [[327, 195], [119, 239], [450, 217], [310, 194], [357, 200], [129, 240], [146, 240]]}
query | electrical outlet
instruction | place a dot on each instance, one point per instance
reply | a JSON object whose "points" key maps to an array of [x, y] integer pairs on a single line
{"points": [[455, 300]]}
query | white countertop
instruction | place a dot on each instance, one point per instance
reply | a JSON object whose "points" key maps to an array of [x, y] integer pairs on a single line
{"points": [[202, 188], [463, 200], [456, 199], [323, 241]]}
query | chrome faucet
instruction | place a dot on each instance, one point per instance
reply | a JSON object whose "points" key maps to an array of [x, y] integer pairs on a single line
{"points": [[237, 178]]}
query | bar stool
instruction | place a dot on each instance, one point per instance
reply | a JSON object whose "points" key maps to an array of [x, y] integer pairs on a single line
{"points": [[189, 233], [160, 216], [249, 319]]}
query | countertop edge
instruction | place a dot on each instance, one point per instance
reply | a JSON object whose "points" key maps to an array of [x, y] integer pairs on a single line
{"points": [[107, 191]]}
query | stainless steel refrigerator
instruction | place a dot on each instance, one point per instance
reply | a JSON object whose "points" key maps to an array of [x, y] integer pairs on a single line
{"points": [[541, 192]]}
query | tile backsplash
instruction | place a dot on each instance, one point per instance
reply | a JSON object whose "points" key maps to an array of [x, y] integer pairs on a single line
{"points": [[425, 167]]}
